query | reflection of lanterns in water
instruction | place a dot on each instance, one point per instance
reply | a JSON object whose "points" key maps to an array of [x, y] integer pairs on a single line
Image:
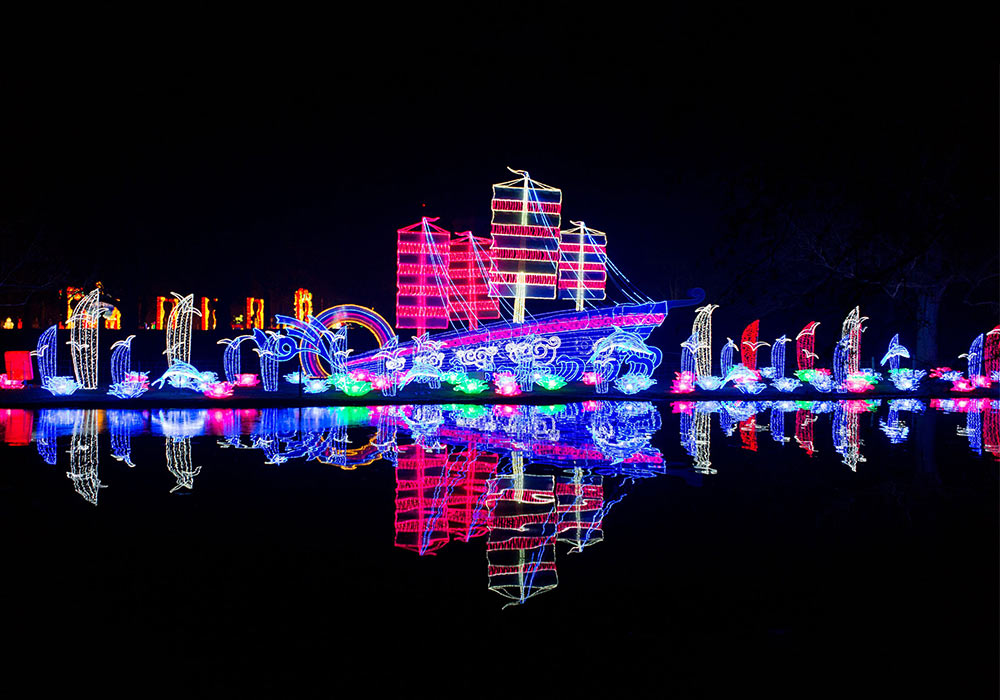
{"points": [[83, 456], [178, 453]]}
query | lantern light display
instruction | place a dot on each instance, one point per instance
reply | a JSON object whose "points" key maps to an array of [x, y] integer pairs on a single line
{"points": [[991, 353], [895, 351], [179, 326], [786, 384], [8, 384], [422, 260], [702, 331], [72, 296], [524, 260], [303, 304], [975, 357], [126, 384], [582, 264], [113, 319], [208, 320], [84, 338], [45, 352], [805, 346], [749, 345], [164, 305], [726, 357], [254, 317], [61, 386], [777, 368]]}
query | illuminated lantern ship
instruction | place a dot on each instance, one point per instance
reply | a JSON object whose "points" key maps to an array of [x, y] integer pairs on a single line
{"points": [[459, 285]]}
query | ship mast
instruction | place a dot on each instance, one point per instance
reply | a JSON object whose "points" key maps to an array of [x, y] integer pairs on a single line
{"points": [[583, 259], [524, 259]]}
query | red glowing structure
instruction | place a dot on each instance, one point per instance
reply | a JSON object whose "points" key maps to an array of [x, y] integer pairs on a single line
{"points": [[749, 345], [991, 353], [207, 319], [16, 426], [254, 317], [72, 295], [991, 427], [582, 264], [421, 494], [164, 305], [441, 496], [467, 514], [805, 346], [18, 365], [525, 227], [422, 259], [748, 433], [113, 321], [469, 294]]}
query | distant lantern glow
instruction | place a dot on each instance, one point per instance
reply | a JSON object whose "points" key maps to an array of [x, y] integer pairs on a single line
{"points": [[207, 314], [524, 260], [72, 296], [422, 260], [164, 305], [303, 303], [113, 320], [254, 313]]}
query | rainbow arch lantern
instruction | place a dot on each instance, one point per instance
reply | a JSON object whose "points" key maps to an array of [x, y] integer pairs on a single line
{"points": [[316, 340]]}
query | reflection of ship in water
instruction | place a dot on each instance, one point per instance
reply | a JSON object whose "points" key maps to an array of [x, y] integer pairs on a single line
{"points": [[455, 493], [532, 483], [981, 427], [83, 456]]}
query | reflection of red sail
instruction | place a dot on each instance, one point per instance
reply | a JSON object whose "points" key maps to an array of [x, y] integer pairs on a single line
{"points": [[748, 433], [441, 496], [579, 502], [421, 496], [15, 426], [991, 426], [521, 545], [804, 430], [467, 512]]}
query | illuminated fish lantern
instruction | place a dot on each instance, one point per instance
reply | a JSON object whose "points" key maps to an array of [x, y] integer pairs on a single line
{"points": [[895, 351]]}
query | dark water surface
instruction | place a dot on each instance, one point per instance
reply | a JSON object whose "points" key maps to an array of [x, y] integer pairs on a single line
{"points": [[687, 550]]}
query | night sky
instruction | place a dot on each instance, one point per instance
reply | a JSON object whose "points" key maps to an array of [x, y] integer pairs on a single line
{"points": [[243, 171]]}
